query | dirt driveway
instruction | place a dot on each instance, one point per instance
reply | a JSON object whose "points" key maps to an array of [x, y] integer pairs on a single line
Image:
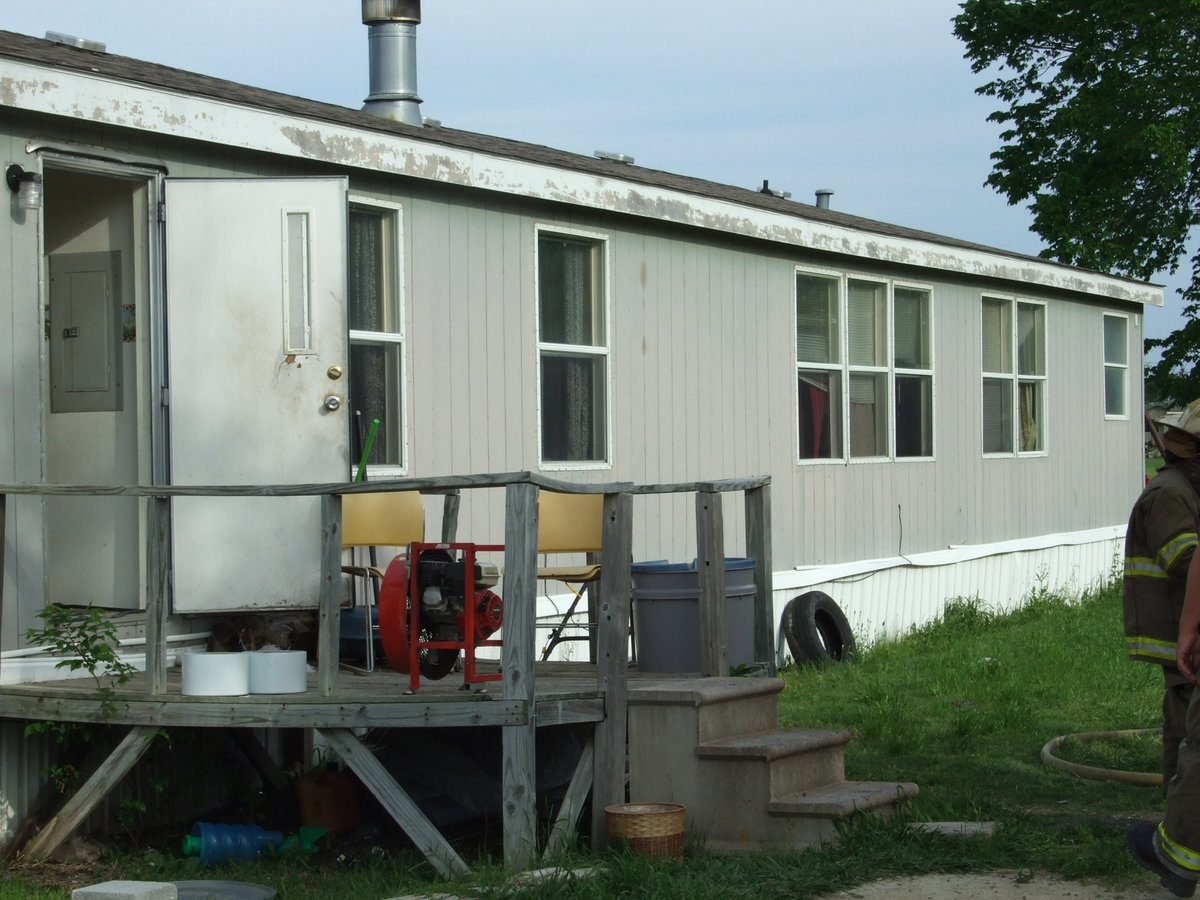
{"points": [[998, 886]]}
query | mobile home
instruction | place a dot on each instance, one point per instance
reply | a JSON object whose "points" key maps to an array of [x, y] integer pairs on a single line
{"points": [[210, 283]]}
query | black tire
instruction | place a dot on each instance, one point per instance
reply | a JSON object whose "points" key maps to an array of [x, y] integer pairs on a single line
{"points": [[816, 629]]}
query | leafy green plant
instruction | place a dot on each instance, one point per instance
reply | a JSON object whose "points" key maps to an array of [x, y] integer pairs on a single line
{"points": [[86, 639]]}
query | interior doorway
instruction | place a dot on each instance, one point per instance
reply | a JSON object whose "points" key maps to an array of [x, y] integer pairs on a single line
{"points": [[97, 233]]}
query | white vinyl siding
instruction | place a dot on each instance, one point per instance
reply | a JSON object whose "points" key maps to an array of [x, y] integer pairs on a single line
{"points": [[1116, 366], [572, 349], [886, 409], [1014, 396], [376, 376]]}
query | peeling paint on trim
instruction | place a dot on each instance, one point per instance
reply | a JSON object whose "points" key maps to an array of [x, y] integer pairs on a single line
{"points": [[110, 101]]}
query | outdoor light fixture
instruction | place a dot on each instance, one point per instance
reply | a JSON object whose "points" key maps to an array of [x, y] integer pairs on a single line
{"points": [[26, 185]]}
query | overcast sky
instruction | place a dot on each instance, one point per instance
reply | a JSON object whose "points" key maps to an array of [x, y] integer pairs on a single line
{"points": [[870, 98]]}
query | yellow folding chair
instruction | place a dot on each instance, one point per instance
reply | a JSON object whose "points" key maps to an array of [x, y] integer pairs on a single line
{"points": [[570, 523], [380, 519]]}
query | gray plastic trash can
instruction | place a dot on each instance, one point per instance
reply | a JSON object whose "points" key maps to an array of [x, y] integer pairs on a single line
{"points": [[666, 614]]}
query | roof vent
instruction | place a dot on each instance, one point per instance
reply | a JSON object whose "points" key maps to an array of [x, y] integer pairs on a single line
{"points": [[767, 189], [823, 195], [615, 157], [71, 41], [392, 48]]}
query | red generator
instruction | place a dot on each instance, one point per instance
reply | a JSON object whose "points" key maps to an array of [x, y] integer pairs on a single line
{"points": [[433, 606]]}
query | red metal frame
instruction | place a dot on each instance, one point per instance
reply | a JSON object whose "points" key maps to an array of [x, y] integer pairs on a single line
{"points": [[468, 643]]}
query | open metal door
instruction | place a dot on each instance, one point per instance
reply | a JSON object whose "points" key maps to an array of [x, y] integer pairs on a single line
{"points": [[256, 347]]}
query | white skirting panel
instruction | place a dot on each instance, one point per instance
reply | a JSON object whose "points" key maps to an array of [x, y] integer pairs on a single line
{"points": [[888, 597]]}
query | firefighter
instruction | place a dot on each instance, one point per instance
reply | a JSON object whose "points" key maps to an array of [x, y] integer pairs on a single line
{"points": [[1172, 849], [1159, 545]]}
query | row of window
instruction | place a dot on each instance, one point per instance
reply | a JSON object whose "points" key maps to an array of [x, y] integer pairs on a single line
{"points": [[864, 357]]}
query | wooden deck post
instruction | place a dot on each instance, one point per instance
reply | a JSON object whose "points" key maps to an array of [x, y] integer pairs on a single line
{"points": [[519, 771], [612, 660], [758, 546], [329, 607], [710, 560], [158, 561], [450, 504]]}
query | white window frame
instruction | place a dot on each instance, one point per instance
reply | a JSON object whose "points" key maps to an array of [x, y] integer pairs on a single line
{"points": [[1016, 378], [1111, 366], [897, 370], [394, 213], [600, 350], [845, 368]]}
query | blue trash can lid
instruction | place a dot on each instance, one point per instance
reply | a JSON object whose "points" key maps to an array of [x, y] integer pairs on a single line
{"points": [[662, 567]]}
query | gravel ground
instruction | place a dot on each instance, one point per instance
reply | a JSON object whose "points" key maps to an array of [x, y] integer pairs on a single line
{"points": [[998, 886]]}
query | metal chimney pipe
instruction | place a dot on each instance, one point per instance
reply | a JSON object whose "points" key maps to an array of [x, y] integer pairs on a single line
{"points": [[392, 48], [823, 195]]}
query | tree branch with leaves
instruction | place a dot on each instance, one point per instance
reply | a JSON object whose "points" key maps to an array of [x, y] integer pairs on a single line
{"points": [[1101, 138]]}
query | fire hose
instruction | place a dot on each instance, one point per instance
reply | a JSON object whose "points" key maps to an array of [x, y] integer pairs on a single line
{"points": [[1145, 779]]}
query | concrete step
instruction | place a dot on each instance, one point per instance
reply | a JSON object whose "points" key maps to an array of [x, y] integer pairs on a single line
{"points": [[714, 745], [712, 708], [802, 819], [843, 799], [777, 763]]}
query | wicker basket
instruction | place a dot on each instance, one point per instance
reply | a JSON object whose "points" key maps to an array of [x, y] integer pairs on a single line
{"points": [[651, 829]]}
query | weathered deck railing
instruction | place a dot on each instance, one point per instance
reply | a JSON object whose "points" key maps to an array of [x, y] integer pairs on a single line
{"points": [[520, 564]]}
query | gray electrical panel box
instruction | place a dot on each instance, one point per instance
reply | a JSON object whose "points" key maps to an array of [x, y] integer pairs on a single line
{"points": [[85, 332]]}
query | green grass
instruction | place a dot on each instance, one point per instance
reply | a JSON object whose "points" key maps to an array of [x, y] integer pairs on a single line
{"points": [[962, 707], [1153, 464]]}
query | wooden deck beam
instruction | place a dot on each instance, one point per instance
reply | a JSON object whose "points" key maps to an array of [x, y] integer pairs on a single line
{"points": [[395, 800], [92, 792]]}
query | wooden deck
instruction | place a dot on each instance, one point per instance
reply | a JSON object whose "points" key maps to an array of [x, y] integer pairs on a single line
{"points": [[566, 693], [529, 695]]}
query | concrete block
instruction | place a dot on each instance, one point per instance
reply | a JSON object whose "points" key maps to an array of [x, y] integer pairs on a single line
{"points": [[127, 890]]}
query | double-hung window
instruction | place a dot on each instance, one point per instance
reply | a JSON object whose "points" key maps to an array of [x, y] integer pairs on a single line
{"points": [[865, 387], [1014, 376], [572, 348], [376, 375], [1116, 366]]}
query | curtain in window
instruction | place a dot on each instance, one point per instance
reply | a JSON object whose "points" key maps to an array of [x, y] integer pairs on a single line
{"points": [[868, 415], [912, 329], [572, 386], [374, 368], [997, 336], [820, 424], [816, 319], [1028, 394], [867, 323], [365, 273], [1031, 339], [997, 415]]}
